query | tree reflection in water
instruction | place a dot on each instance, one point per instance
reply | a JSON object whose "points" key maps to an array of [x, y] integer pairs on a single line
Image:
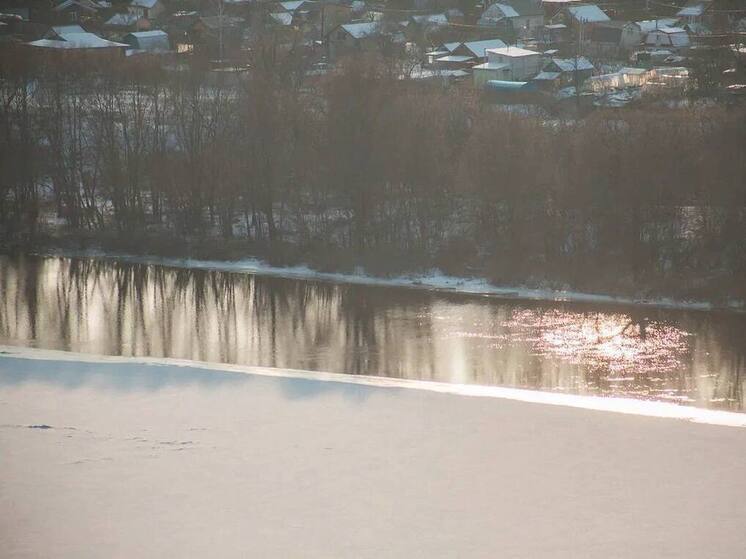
{"points": [[134, 309]]}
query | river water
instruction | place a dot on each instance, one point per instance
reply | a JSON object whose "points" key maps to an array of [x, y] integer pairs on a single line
{"points": [[116, 308]]}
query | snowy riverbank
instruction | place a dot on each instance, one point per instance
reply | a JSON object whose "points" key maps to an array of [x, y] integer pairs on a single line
{"points": [[118, 457], [433, 281]]}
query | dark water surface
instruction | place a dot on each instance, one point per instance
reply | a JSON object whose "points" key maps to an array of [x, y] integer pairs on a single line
{"points": [[107, 307]]}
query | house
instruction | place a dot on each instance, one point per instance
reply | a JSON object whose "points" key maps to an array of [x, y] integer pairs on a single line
{"points": [[477, 50], [586, 14], [76, 10], [453, 56], [72, 42], [610, 38], [497, 14], [554, 34], [523, 17], [155, 41], [127, 22], [354, 37], [217, 35], [668, 37], [149, 9], [507, 64], [428, 21], [530, 16], [299, 10], [694, 11], [571, 70], [443, 50], [648, 25]]}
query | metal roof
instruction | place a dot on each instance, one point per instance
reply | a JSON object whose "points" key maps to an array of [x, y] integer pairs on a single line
{"points": [[571, 64], [513, 52], [151, 41], [123, 20], [454, 58], [478, 48], [361, 30], [547, 76], [143, 3], [588, 13]]}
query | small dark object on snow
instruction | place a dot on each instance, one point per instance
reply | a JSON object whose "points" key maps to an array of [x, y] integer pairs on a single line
{"points": [[42, 426]]}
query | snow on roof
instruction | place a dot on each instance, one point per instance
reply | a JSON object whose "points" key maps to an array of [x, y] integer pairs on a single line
{"points": [[491, 66], [555, 26], [74, 36], [508, 11], [432, 19], [588, 13], [293, 5], [513, 52], [570, 64], [123, 20], [152, 41], [478, 48], [649, 25], [86, 4], [671, 30], [693, 9], [454, 58], [633, 71], [143, 3], [547, 76], [77, 41], [58, 29], [146, 34], [362, 30], [450, 47]]}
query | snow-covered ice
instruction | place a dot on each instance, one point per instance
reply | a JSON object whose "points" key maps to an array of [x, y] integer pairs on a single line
{"points": [[435, 280], [153, 458]]}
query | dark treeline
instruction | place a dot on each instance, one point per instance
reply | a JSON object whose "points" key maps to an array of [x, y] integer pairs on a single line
{"points": [[361, 167]]}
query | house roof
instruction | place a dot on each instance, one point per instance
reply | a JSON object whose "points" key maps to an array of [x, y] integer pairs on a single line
{"points": [[122, 20], [144, 3], [570, 64], [670, 30], [693, 8], [503, 10], [587, 13], [478, 48], [504, 85], [76, 41], [362, 30], [216, 22], [153, 41], [491, 66], [454, 58], [450, 47], [513, 52], [292, 5], [547, 76], [649, 25], [85, 4], [431, 19], [525, 7]]}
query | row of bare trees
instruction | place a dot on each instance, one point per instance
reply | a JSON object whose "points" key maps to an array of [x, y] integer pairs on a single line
{"points": [[369, 165]]}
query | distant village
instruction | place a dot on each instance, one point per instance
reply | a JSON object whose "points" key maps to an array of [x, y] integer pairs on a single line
{"points": [[558, 51]]}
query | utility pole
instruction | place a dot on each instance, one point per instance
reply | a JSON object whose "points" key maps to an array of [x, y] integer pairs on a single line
{"points": [[220, 31]]}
